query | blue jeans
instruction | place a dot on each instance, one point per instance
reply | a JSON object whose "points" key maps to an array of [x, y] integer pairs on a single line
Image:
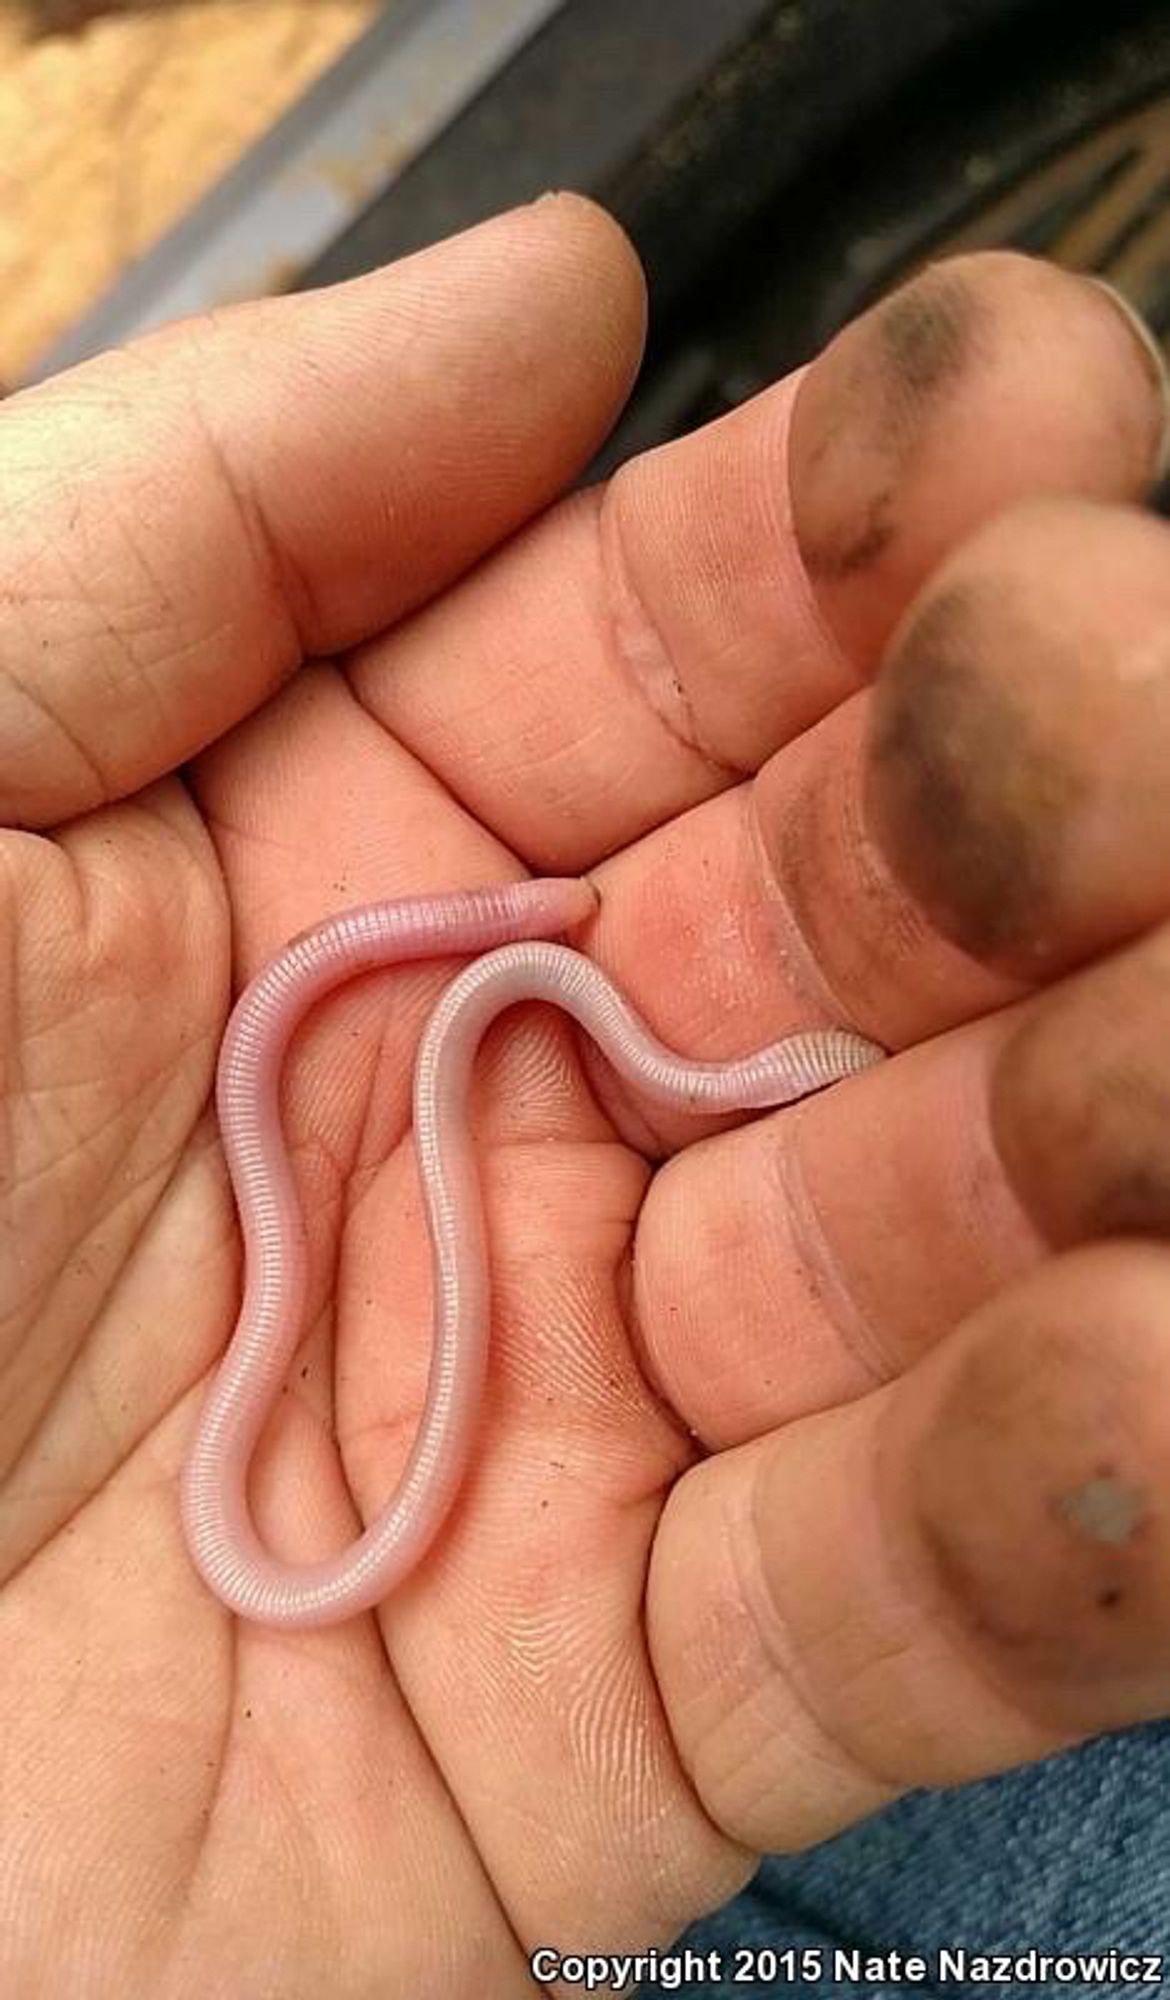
{"points": [[1070, 1858]]}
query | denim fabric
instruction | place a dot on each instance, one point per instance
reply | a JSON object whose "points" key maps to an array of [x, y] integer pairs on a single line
{"points": [[1071, 1856]]}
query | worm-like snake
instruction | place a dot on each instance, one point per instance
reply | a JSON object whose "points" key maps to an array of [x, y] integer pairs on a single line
{"points": [[504, 924]]}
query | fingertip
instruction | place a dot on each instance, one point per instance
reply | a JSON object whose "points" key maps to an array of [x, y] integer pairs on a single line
{"points": [[1034, 1471], [601, 237], [1078, 1097], [591, 254], [613, 282], [984, 379], [1014, 775]]}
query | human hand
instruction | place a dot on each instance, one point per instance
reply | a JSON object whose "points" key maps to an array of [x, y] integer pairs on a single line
{"points": [[815, 1464]]}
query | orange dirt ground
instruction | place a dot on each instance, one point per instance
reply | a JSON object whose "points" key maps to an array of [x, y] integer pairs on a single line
{"points": [[115, 115]]}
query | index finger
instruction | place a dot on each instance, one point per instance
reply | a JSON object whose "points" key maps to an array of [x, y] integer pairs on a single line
{"points": [[648, 643]]}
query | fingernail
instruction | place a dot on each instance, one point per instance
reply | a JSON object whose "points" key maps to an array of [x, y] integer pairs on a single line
{"points": [[1155, 356]]}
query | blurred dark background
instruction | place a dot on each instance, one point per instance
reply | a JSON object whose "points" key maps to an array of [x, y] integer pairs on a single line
{"points": [[778, 165]]}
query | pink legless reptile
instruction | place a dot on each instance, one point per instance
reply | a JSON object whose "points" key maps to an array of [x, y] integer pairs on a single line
{"points": [[508, 925]]}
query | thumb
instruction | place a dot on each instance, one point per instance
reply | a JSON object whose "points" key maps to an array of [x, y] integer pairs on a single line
{"points": [[189, 518]]}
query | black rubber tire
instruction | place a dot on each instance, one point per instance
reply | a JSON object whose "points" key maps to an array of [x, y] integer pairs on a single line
{"points": [[1050, 132]]}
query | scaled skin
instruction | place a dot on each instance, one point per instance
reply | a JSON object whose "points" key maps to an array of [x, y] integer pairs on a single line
{"points": [[628, 1662]]}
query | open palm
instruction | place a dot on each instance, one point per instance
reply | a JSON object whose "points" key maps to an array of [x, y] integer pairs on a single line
{"points": [[896, 1549]]}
